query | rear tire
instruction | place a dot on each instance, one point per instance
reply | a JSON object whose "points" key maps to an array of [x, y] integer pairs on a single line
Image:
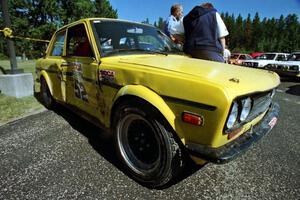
{"points": [[46, 96], [146, 144]]}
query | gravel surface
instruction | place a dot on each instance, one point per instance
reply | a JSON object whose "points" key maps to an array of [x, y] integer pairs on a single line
{"points": [[57, 155]]}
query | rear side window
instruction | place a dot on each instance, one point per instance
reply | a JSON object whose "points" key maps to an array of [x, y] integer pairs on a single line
{"points": [[248, 57], [58, 45], [78, 43], [242, 57], [281, 57]]}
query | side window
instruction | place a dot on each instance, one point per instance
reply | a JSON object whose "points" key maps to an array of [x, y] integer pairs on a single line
{"points": [[78, 43], [248, 57], [281, 57], [58, 46], [242, 57]]}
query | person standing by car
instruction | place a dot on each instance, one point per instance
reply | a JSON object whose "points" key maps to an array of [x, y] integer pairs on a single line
{"points": [[205, 33], [174, 24], [226, 54]]}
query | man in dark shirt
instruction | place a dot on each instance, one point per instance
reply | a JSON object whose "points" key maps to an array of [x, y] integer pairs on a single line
{"points": [[205, 33]]}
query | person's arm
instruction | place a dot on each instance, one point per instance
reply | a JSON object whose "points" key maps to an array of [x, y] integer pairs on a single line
{"points": [[222, 30], [223, 42]]}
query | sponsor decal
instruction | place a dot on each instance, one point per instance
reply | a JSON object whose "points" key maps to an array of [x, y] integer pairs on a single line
{"points": [[76, 66], [79, 89], [107, 76], [273, 122]]}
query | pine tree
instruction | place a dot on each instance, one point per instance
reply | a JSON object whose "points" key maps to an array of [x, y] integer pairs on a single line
{"points": [[146, 21], [161, 24], [39, 19], [248, 33], [257, 34]]}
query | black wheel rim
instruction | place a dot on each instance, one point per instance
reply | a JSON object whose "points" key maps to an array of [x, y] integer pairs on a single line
{"points": [[139, 144]]}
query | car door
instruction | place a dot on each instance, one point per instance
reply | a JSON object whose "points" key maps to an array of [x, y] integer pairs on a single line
{"points": [[82, 69], [54, 66]]}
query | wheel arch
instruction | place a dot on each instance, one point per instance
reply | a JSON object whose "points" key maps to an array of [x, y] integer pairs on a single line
{"points": [[44, 75], [142, 93]]}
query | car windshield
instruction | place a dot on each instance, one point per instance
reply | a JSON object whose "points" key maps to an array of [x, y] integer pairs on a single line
{"points": [[266, 56], [117, 37], [294, 57]]}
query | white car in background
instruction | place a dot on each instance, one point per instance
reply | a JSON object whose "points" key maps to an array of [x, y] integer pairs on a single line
{"points": [[291, 67], [265, 59]]}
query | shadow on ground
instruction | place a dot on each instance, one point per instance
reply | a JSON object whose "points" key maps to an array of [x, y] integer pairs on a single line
{"points": [[290, 79], [102, 142], [294, 90]]}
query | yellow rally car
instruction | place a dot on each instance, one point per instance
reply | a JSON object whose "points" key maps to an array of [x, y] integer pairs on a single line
{"points": [[161, 105]]}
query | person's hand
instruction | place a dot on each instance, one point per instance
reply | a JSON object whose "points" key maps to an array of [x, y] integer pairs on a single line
{"points": [[179, 39], [173, 38]]}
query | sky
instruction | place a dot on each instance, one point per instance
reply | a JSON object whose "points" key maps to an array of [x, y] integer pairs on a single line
{"points": [[139, 10]]}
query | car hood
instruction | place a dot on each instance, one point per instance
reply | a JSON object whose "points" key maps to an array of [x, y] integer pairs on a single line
{"points": [[231, 77], [289, 62]]}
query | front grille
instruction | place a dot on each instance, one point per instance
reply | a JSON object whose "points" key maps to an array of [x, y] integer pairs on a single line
{"points": [[279, 66], [250, 64], [261, 102]]}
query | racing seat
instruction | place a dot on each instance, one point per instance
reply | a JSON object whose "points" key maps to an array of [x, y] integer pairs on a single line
{"points": [[83, 49]]}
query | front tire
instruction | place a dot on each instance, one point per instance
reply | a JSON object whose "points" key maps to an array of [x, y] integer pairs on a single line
{"points": [[146, 145], [46, 96]]}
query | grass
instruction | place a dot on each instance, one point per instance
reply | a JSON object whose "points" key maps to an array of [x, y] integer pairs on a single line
{"points": [[28, 65], [13, 108]]}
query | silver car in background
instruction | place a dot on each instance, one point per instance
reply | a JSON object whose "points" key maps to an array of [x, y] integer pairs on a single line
{"points": [[265, 59], [291, 67]]}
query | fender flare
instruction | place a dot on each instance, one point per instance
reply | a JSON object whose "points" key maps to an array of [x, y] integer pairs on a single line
{"points": [[151, 97], [44, 74]]}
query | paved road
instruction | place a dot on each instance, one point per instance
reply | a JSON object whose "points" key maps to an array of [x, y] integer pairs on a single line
{"points": [[59, 156]]}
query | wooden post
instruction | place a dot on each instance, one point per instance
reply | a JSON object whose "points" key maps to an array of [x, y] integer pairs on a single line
{"points": [[10, 43]]}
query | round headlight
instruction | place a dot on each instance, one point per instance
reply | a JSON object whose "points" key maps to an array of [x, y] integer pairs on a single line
{"points": [[233, 115], [246, 108]]}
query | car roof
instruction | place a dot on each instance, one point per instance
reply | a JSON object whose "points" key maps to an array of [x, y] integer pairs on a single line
{"points": [[102, 19], [276, 53], [239, 54]]}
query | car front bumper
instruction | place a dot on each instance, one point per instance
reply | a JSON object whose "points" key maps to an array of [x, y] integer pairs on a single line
{"points": [[286, 72], [240, 145]]}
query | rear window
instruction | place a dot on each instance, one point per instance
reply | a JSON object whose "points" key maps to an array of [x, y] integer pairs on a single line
{"points": [[234, 56], [294, 57]]}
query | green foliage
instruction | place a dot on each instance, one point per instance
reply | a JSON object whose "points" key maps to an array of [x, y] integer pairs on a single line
{"points": [[40, 19], [146, 21], [267, 35], [104, 9], [161, 24]]}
